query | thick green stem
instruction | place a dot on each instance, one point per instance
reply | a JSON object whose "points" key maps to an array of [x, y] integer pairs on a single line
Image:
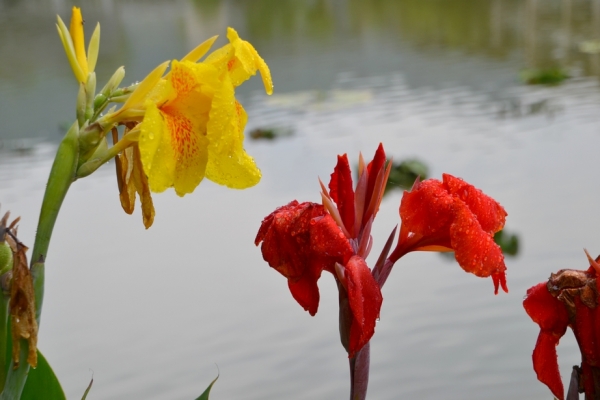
{"points": [[3, 338], [61, 176]]}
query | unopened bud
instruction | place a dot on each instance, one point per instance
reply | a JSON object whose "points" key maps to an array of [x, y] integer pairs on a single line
{"points": [[114, 82], [6, 258], [99, 101], [81, 104], [90, 91]]}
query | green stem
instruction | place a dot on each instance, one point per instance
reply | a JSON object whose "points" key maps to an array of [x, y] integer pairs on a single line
{"points": [[61, 176], [3, 338]]}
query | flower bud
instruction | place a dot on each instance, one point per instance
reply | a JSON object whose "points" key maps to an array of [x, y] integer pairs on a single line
{"points": [[81, 104], [90, 91], [114, 82], [6, 258]]}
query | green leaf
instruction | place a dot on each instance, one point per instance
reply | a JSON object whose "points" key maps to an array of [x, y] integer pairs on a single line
{"points": [[204, 396], [42, 383]]}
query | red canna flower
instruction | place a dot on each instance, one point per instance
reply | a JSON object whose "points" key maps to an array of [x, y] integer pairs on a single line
{"points": [[568, 299], [301, 240], [452, 215]]}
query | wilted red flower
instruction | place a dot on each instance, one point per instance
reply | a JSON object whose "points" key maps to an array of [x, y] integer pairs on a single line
{"points": [[300, 240], [452, 215], [568, 299]]}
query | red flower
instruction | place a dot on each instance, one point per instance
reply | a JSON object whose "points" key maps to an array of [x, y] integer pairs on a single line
{"points": [[300, 240], [568, 299], [453, 215]]}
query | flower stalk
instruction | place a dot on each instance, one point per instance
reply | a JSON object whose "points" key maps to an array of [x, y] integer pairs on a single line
{"points": [[61, 176]]}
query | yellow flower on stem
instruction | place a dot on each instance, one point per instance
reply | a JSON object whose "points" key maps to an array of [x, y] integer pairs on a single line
{"points": [[73, 41], [193, 126]]}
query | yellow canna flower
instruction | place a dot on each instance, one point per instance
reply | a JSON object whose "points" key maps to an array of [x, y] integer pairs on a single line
{"points": [[73, 41], [193, 127]]}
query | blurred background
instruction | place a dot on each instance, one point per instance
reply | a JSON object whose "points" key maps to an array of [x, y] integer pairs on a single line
{"points": [[502, 93]]}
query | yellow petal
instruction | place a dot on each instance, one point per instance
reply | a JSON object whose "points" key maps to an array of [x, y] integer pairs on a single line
{"points": [[200, 50], [220, 57], [144, 87], [190, 147], [228, 162], [263, 68], [76, 31], [156, 152], [65, 38]]}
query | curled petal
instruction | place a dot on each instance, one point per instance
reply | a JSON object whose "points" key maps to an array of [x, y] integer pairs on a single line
{"points": [[475, 250], [490, 214], [428, 209]]}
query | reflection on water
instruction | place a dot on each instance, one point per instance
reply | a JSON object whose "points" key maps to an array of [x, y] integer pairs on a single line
{"points": [[150, 312]]}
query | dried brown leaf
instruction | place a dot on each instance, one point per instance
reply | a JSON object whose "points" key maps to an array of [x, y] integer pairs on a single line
{"points": [[22, 308], [140, 181]]}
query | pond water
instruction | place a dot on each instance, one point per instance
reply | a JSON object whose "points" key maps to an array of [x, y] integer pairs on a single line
{"points": [[157, 314]]}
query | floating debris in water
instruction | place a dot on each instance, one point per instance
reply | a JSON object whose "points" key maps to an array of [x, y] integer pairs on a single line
{"points": [[544, 76], [270, 133], [404, 174]]}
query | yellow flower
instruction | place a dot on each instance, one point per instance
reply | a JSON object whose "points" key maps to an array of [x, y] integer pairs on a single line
{"points": [[193, 126], [73, 41]]}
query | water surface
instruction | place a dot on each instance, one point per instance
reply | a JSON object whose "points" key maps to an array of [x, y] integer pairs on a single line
{"points": [[150, 313]]}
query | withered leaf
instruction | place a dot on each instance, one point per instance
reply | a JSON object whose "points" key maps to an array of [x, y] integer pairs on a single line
{"points": [[131, 179], [22, 308]]}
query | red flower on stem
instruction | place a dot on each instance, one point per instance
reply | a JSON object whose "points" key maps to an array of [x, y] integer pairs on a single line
{"points": [[451, 215], [568, 299], [301, 240]]}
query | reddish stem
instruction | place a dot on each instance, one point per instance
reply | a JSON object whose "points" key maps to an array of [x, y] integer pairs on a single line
{"points": [[359, 373]]}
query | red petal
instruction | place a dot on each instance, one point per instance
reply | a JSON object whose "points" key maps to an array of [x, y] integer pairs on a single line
{"points": [[340, 190], [306, 291], [545, 310], [427, 209], [490, 214], [286, 242], [365, 300], [552, 317], [545, 363], [373, 169], [268, 221], [585, 331], [475, 250], [300, 241], [328, 243]]}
